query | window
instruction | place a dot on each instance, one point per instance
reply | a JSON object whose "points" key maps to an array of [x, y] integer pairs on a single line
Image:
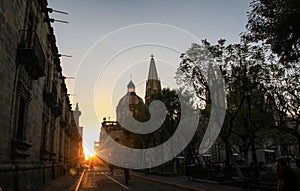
{"points": [[23, 98], [44, 136], [21, 119]]}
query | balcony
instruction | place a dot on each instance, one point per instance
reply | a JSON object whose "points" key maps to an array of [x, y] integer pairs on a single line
{"points": [[31, 55], [57, 110], [50, 97], [20, 148]]}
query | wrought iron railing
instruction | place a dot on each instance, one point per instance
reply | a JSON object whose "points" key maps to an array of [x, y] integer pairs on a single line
{"points": [[31, 53]]}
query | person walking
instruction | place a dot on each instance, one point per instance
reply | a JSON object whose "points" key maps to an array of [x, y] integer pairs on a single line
{"points": [[287, 178], [126, 175], [92, 167], [111, 169]]}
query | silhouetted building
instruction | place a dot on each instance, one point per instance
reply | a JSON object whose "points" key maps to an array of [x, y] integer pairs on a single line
{"points": [[38, 133], [77, 114], [131, 103], [153, 82]]}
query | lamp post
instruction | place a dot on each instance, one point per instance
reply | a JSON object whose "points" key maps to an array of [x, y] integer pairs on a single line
{"points": [[252, 142], [218, 152], [162, 153]]}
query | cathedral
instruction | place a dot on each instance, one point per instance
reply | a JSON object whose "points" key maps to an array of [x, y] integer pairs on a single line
{"points": [[131, 103], [153, 84], [132, 99]]}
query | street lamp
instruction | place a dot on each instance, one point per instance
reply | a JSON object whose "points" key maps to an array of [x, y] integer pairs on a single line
{"points": [[218, 151], [162, 152], [253, 149]]}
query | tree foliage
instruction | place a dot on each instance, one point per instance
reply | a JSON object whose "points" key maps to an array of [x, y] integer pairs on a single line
{"points": [[276, 23], [245, 71], [283, 94]]}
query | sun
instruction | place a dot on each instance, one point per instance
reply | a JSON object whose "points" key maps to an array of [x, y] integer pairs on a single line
{"points": [[88, 153], [88, 156]]}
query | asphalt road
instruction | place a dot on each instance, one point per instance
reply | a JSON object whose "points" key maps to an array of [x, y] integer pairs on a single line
{"points": [[104, 181]]}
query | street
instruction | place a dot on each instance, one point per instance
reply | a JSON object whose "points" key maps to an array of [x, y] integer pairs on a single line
{"points": [[102, 179]]}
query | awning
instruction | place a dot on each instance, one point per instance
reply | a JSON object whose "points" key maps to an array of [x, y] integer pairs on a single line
{"points": [[269, 151]]}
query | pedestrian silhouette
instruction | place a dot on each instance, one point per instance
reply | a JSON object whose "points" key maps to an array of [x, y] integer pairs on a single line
{"points": [[92, 167], [126, 175], [111, 169], [287, 178]]}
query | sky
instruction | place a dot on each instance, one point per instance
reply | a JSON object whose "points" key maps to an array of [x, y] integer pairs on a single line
{"points": [[111, 41]]}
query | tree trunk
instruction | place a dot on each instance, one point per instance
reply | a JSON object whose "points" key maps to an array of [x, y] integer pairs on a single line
{"points": [[227, 148], [298, 138], [230, 155], [245, 151]]}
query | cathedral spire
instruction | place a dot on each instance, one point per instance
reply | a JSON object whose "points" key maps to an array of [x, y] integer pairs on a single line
{"points": [[76, 114], [153, 83], [77, 108], [152, 70]]}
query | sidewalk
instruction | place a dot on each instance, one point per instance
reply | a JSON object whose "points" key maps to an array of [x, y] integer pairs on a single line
{"points": [[65, 182]]}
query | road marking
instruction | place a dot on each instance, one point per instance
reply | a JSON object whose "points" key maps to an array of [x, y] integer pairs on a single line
{"points": [[80, 179], [115, 181]]}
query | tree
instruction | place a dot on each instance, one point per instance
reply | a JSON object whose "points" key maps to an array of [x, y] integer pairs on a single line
{"points": [[283, 93], [171, 101], [141, 113], [242, 67], [276, 23]]}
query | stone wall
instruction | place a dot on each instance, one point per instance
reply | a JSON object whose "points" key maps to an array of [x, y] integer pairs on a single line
{"points": [[38, 134]]}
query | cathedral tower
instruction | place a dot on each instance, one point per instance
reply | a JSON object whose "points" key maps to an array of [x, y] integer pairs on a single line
{"points": [[153, 83], [76, 114]]}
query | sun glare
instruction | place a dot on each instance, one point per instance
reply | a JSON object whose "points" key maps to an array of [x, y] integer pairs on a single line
{"points": [[89, 156], [88, 153]]}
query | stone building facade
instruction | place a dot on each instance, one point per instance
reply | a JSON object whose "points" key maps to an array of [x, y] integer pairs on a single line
{"points": [[38, 133]]}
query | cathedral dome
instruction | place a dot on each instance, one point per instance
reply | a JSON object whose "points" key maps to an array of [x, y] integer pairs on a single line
{"points": [[131, 87], [130, 100]]}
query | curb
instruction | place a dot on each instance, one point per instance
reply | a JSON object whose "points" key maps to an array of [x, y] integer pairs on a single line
{"points": [[205, 181], [167, 183]]}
